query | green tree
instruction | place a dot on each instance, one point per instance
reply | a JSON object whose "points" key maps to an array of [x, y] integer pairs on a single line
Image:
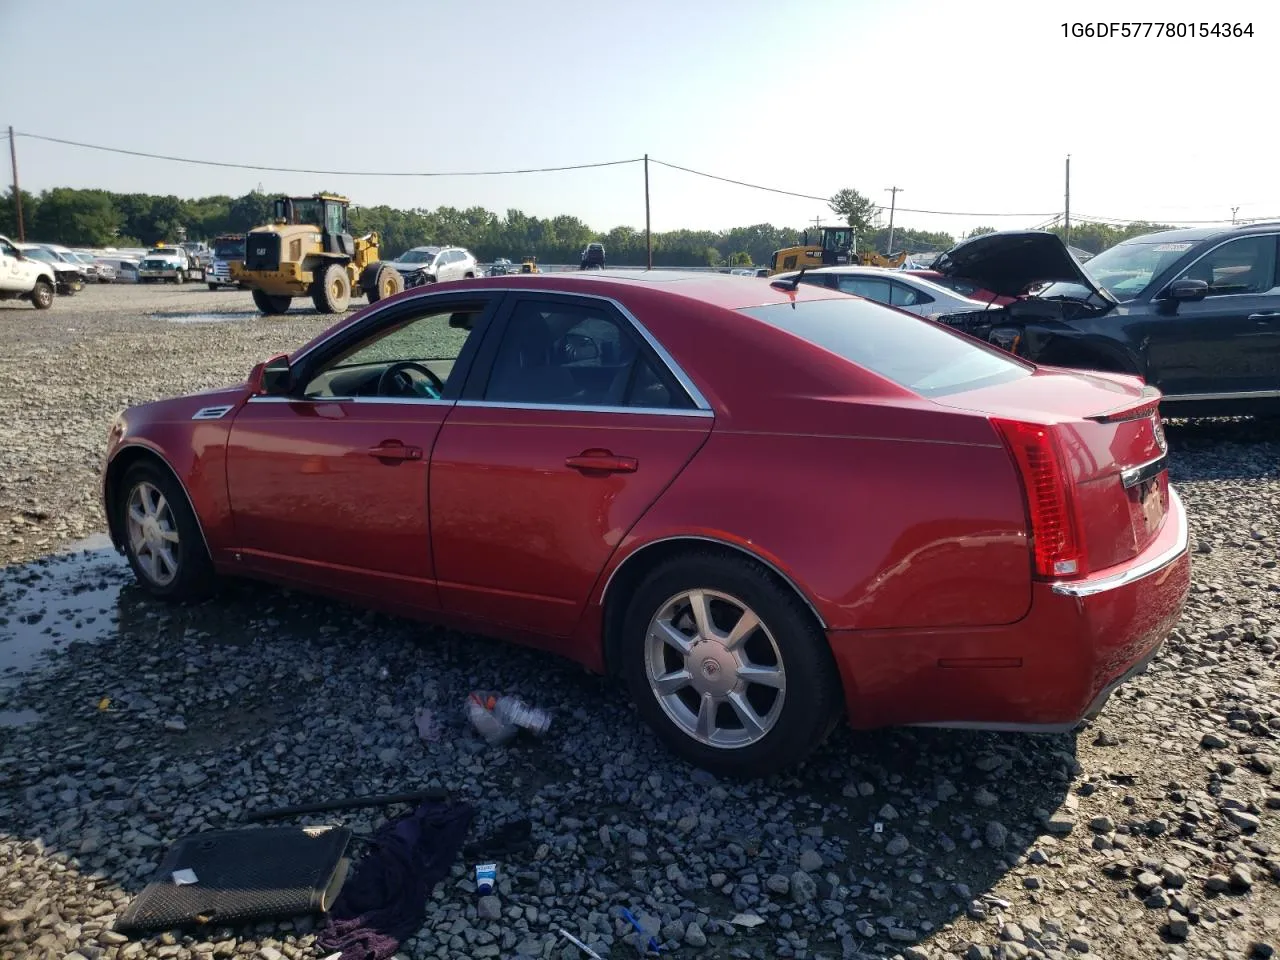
{"points": [[740, 259], [76, 217], [858, 211], [9, 213], [980, 231]]}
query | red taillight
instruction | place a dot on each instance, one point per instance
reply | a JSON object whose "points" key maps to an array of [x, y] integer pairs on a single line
{"points": [[1055, 536]]}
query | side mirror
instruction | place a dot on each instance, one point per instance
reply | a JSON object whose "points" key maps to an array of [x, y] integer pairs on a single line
{"points": [[1186, 289], [272, 378]]}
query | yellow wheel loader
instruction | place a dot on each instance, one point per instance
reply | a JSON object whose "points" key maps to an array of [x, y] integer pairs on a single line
{"points": [[834, 248], [308, 250]]}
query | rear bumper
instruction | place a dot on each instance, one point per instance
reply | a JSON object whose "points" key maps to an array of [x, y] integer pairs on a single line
{"points": [[1052, 669]]}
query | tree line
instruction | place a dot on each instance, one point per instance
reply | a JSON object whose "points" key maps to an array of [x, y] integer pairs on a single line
{"points": [[101, 218]]}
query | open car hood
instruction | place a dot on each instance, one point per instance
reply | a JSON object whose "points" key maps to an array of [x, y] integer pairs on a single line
{"points": [[1009, 262]]}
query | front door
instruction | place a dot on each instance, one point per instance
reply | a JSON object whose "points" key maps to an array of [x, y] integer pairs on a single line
{"points": [[1229, 342], [12, 273], [328, 486], [570, 427]]}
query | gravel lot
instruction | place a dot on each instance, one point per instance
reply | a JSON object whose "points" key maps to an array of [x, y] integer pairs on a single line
{"points": [[1149, 833]]}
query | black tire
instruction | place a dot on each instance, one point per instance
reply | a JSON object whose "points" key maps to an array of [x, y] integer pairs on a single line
{"points": [[42, 294], [383, 281], [813, 700], [271, 304], [331, 289], [194, 578], [213, 286], [469, 276]]}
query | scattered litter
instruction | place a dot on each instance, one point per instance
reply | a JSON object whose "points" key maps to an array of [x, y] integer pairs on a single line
{"points": [[428, 726], [486, 878], [578, 943], [104, 703], [653, 943], [498, 719], [380, 800], [878, 828], [994, 901], [184, 877], [747, 920]]}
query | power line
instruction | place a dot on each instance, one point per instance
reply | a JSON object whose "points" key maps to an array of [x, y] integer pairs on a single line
{"points": [[809, 196], [325, 173]]}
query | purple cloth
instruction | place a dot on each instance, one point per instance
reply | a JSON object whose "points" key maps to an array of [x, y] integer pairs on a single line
{"points": [[384, 900]]}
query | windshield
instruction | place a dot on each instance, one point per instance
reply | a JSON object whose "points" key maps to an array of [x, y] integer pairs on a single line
{"points": [[1126, 269], [418, 256], [84, 257], [231, 250], [919, 355], [305, 211], [40, 253]]}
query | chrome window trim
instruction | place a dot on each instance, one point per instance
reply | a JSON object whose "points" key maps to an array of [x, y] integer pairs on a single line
{"points": [[1144, 471], [701, 538], [586, 408], [1135, 573], [397, 401], [686, 384], [1241, 395]]}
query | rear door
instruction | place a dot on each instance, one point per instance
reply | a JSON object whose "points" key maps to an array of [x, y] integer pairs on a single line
{"points": [[570, 427], [1229, 342]]}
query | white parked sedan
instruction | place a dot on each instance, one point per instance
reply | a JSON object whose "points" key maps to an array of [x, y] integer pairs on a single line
{"points": [[902, 290]]}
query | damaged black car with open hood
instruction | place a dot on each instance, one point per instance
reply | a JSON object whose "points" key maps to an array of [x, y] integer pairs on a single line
{"points": [[1193, 312]]}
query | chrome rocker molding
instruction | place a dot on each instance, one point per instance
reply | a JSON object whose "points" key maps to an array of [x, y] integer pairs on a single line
{"points": [[1133, 574]]}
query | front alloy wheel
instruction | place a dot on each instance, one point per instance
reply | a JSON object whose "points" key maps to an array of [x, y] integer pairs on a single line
{"points": [[153, 534]]}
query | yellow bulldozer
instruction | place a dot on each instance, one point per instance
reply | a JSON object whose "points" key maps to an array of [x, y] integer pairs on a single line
{"points": [[833, 249], [308, 250]]}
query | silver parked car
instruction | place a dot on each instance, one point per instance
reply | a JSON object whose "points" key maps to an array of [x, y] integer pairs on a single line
{"points": [[435, 265], [902, 290]]}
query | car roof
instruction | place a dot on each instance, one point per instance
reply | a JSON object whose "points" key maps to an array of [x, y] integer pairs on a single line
{"points": [[717, 289]]}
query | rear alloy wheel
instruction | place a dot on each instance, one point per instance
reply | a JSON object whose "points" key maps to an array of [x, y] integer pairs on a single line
{"points": [[331, 289], [728, 666], [42, 294], [161, 536], [271, 304], [179, 278]]}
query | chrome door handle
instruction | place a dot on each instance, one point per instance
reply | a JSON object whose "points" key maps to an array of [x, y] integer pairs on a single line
{"points": [[1275, 314]]}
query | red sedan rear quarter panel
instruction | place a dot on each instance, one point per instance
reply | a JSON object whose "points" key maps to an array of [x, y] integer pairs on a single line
{"points": [[889, 511]]}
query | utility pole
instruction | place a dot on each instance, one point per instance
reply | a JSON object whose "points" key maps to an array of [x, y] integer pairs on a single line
{"points": [[648, 235], [1233, 215], [1066, 218], [17, 193], [817, 222], [893, 203]]}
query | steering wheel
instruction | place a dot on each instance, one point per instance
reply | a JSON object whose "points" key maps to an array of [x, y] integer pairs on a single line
{"points": [[406, 385]]}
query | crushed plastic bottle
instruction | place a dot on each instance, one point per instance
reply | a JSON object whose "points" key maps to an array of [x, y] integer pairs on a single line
{"points": [[481, 712], [515, 711]]}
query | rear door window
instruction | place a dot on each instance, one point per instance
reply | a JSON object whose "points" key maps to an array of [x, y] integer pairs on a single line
{"points": [[873, 288], [905, 296], [919, 355], [1246, 265]]}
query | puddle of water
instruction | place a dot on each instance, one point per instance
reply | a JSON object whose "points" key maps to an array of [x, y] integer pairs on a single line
{"points": [[17, 718], [183, 317], [56, 601]]}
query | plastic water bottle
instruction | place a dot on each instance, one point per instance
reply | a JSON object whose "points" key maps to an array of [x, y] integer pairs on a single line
{"points": [[483, 717], [514, 711]]}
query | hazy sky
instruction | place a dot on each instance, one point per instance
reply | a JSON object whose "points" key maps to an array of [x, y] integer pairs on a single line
{"points": [[970, 107]]}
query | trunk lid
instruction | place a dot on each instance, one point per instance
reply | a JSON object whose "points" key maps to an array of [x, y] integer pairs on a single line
{"points": [[1105, 432], [1009, 262]]}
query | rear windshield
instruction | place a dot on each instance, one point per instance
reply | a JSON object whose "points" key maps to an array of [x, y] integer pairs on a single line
{"points": [[916, 354]]}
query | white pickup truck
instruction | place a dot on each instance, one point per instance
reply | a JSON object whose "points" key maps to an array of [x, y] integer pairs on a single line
{"points": [[24, 278]]}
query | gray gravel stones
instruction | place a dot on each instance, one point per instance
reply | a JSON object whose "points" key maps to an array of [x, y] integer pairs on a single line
{"points": [[1138, 836]]}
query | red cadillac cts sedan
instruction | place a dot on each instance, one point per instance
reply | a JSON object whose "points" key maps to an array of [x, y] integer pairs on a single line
{"points": [[760, 507]]}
